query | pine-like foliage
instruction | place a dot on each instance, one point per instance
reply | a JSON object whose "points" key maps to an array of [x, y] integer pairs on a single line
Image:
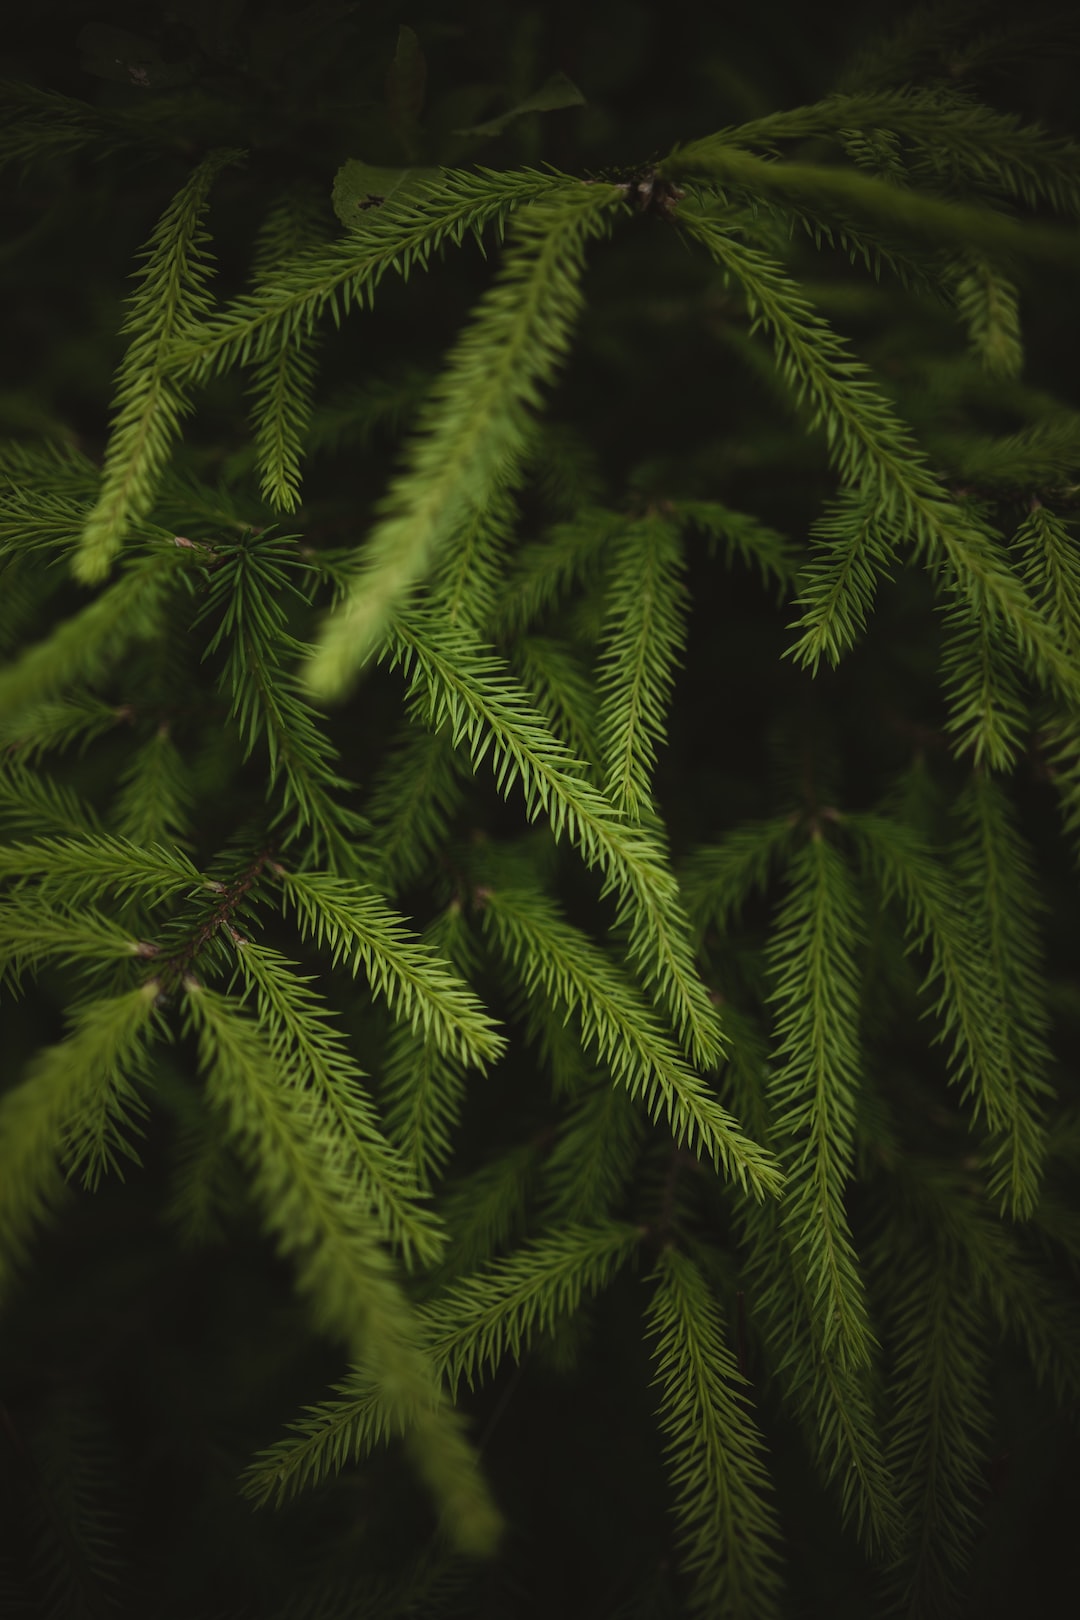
{"points": [[539, 816]]}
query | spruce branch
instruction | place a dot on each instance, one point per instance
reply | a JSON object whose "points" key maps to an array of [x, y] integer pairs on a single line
{"points": [[554, 1035], [617, 1019], [939, 1424], [987, 303], [622, 1031], [36, 520], [1003, 903], [283, 390], [473, 434], [424, 1091], [727, 1524], [312, 1055], [87, 868], [52, 467], [875, 456], [485, 1212], [402, 234], [908, 214], [87, 645], [1042, 458], [40, 126], [995, 149], [1050, 560], [1013, 1284], [149, 406], [283, 380], [833, 1407], [564, 693], [543, 571], [356, 927], [413, 802], [468, 1329], [744, 536], [850, 553], [321, 1443], [468, 692], [34, 729], [815, 1084], [987, 713], [644, 636], [870, 246], [832, 1404], [190, 934], [34, 932], [31, 802], [717, 880], [984, 957], [309, 1198], [497, 1311], [253, 585], [423, 1083], [467, 584], [65, 1112], [154, 801], [591, 1166]]}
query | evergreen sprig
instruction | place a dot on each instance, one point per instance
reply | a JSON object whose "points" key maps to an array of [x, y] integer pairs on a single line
{"points": [[320, 1444], [939, 1430], [253, 585], [86, 646], [644, 636], [1051, 563], [404, 233], [987, 304], [1003, 904], [283, 382], [876, 457], [898, 211], [497, 1311], [306, 1186], [1001, 1070], [63, 1113], [423, 1082], [356, 927], [718, 879], [99, 864], [469, 693], [149, 406], [620, 1028], [590, 1169], [547, 569], [35, 932], [473, 434], [727, 1523], [41, 125], [31, 802], [996, 148], [306, 1046], [815, 1083]]}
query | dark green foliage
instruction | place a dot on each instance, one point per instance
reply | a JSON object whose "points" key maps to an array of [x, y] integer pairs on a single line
{"points": [[539, 814]]}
